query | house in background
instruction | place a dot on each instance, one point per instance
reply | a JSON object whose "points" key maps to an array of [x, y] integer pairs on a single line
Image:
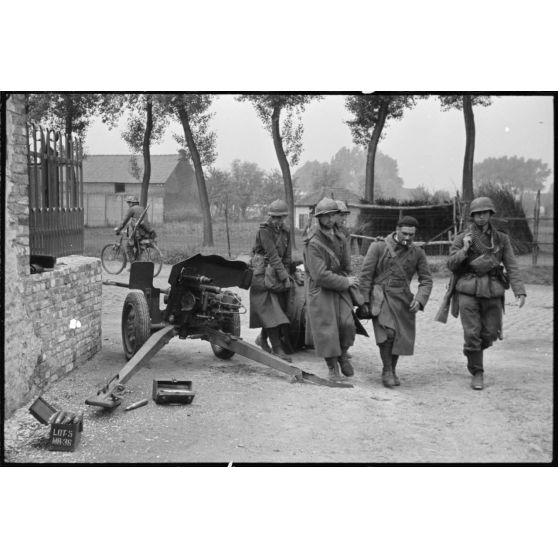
{"points": [[109, 179], [306, 204]]}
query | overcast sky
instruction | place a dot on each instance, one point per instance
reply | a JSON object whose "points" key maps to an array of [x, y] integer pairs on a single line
{"points": [[427, 143]]}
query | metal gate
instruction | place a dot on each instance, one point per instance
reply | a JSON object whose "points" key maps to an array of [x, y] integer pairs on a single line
{"points": [[55, 193]]}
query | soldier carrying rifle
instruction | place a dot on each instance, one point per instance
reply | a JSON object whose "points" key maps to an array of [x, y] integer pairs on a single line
{"points": [[138, 226], [476, 259]]}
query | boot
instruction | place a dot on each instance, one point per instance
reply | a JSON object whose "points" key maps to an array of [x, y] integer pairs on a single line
{"points": [[333, 369], [261, 341], [345, 364], [387, 371], [394, 359], [476, 368], [276, 347]]}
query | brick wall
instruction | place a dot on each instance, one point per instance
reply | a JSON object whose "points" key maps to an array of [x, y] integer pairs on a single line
{"points": [[39, 346]]}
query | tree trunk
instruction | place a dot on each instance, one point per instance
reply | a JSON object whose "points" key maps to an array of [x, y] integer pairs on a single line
{"points": [[469, 149], [200, 179], [146, 151], [285, 169], [372, 147]]}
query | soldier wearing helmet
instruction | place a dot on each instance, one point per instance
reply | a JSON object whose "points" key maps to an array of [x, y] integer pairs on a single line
{"points": [[387, 270], [271, 259], [330, 321], [134, 230], [484, 264]]}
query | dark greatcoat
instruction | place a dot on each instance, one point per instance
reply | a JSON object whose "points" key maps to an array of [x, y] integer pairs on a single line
{"points": [[395, 312], [273, 246], [330, 321]]}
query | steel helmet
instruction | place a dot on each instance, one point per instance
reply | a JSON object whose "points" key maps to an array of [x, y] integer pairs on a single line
{"points": [[278, 208], [132, 199], [481, 204], [325, 207], [342, 207]]}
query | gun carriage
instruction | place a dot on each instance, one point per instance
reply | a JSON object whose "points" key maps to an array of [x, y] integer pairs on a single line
{"points": [[198, 306]]}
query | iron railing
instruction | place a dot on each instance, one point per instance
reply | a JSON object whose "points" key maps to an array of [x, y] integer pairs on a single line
{"points": [[55, 192]]}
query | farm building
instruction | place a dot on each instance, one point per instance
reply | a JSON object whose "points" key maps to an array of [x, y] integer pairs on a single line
{"points": [[109, 179]]}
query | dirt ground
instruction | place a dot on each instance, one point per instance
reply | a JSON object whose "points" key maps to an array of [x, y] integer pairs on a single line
{"points": [[246, 412]]}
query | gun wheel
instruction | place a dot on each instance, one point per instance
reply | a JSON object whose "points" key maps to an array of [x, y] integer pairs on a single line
{"points": [[136, 323], [232, 326]]}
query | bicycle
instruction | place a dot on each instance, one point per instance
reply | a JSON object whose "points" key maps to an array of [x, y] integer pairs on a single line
{"points": [[114, 258]]}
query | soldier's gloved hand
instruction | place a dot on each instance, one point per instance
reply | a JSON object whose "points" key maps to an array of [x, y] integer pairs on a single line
{"points": [[353, 281], [467, 241], [520, 300], [414, 307], [363, 312]]}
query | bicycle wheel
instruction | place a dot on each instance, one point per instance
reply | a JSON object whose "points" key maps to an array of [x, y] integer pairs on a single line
{"points": [[152, 254], [113, 258]]}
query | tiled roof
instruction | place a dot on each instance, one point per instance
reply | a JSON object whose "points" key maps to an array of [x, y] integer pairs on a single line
{"points": [[118, 168], [342, 194]]}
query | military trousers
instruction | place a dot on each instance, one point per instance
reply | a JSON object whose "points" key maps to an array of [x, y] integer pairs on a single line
{"points": [[481, 319]]}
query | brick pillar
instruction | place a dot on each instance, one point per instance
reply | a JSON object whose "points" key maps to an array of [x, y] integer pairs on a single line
{"points": [[22, 348]]}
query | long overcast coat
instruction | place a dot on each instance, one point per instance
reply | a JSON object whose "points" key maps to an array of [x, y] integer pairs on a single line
{"points": [[395, 312], [273, 246], [328, 303]]}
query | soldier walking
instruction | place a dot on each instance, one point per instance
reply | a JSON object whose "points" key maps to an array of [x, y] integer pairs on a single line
{"points": [[330, 316], [387, 270], [271, 258], [476, 257]]}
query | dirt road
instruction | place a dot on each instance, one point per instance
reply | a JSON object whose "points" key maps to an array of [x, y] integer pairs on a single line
{"points": [[245, 412]]}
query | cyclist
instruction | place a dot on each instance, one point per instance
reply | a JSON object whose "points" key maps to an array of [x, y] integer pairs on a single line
{"points": [[143, 231]]}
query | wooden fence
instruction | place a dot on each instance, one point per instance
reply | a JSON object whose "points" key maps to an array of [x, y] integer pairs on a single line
{"points": [[55, 193]]}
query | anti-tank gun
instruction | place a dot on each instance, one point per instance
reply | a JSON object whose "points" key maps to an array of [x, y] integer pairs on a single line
{"points": [[198, 306]]}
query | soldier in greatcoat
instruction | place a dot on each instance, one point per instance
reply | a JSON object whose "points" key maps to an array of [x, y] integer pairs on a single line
{"points": [[387, 270], [269, 291], [476, 257], [329, 306]]}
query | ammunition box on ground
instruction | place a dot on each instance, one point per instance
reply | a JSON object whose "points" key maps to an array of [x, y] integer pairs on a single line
{"points": [[173, 392], [41, 410], [65, 437]]}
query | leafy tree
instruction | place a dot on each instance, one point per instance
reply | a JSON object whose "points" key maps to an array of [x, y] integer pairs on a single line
{"points": [[218, 188], [145, 125], [272, 187], [517, 173], [347, 169], [314, 176], [287, 135], [247, 182], [371, 113], [192, 112], [71, 112], [466, 103]]}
